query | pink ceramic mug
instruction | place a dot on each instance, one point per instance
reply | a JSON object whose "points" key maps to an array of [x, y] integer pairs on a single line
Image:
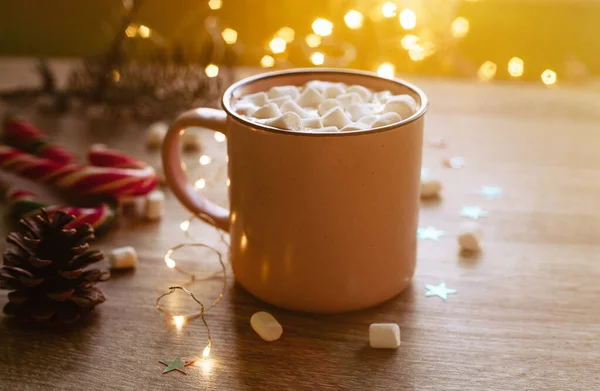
{"points": [[319, 222]]}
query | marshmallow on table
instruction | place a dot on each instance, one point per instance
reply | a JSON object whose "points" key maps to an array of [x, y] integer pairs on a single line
{"points": [[309, 97], [270, 110], [470, 236], [278, 91], [327, 105], [348, 99], [357, 111], [281, 99], [354, 126], [333, 91], [123, 258], [258, 99], [364, 92], [404, 105], [384, 335], [291, 106], [192, 139], [430, 187], [156, 134], [312, 123], [132, 206], [386, 119], [288, 121], [336, 117], [154, 206], [266, 326]]}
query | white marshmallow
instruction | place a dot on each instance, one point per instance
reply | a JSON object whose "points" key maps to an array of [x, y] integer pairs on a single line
{"points": [[278, 91], [384, 335], [310, 97], [156, 134], [270, 110], [288, 120], [404, 105], [470, 236], [430, 188], [326, 129], [312, 123], [132, 206], [258, 99], [244, 108], [336, 117], [386, 119], [368, 120], [333, 91], [323, 85], [266, 326], [381, 96], [154, 206], [291, 106], [349, 99], [280, 100], [364, 92], [192, 139], [354, 126], [327, 105], [123, 258], [357, 111]]}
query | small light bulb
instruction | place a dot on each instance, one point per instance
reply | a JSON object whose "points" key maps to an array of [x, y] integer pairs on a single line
{"points": [[353, 19], [322, 27], [178, 320], [389, 9], [220, 137], [144, 31], [317, 58], [408, 19], [131, 31], [515, 67], [277, 45], [386, 70], [267, 61], [205, 160], [487, 71], [211, 70], [200, 183], [313, 40], [548, 77], [228, 182], [229, 36], [170, 262], [185, 225], [206, 351], [214, 4]]}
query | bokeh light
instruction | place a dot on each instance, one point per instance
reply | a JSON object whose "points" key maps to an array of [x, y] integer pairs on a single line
{"points": [[267, 61], [322, 27], [549, 77], [131, 31], [287, 34], [386, 70], [353, 19], [313, 40], [410, 41], [460, 27], [229, 36], [317, 58], [215, 4], [277, 45], [220, 137], [408, 19], [200, 183], [211, 70], [144, 31], [487, 71], [515, 67], [389, 9], [178, 320]]}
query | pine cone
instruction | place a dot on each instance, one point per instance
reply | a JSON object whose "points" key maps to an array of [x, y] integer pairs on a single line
{"points": [[45, 270]]}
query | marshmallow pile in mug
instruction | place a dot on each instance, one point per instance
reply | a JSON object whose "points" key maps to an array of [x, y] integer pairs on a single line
{"points": [[321, 106]]}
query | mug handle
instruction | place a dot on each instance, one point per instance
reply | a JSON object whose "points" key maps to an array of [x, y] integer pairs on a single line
{"points": [[177, 179]]}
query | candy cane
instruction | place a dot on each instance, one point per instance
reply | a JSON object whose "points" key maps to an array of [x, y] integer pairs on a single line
{"points": [[83, 180], [26, 137]]}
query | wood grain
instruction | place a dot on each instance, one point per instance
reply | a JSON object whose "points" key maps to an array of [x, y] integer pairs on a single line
{"points": [[526, 315]]}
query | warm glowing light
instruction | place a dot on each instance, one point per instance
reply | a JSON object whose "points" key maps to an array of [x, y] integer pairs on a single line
{"points": [[515, 67], [417, 53], [487, 71], [200, 183], [214, 4], [410, 41], [277, 45], [267, 61], [408, 19], [389, 9], [206, 351], [170, 262], [178, 321], [229, 36], [205, 160], [322, 27], [353, 19], [287, 33], [116, 76], [220, 137], [548, 77], [211, 70], [313, 40], [317, 58], [386, 70], [185, 225], [228, 182], [460, 27], [131, 31], [144, 31], [243, 241]]}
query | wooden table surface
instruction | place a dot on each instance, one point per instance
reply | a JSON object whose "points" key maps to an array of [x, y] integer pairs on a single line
{"points": [[526, 315]]}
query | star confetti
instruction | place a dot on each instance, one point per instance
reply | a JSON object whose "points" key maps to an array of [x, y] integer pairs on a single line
{"points": [[454, 162], [175, 365], [473, 212], [439, 290], [429, 233], [491, 191]]}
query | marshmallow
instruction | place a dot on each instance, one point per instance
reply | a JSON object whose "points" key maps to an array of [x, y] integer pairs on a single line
{"points": [[156, 134], [357, 111], [266, 326], [355, 126], [123, 258], [276, 92], [280, 100], [349, 99], [312, 123], [131, 206], [364, 92], [258, 99], [244, 108], [327, 105], [270, 110], [430, 188], [368, 120], [384, 335], [292, 106], [404, 105], [326, 129], [333, 91], [192, 139], [336, 117], [386, 119], [154, 206], [323, 85], [381, 96], [288, 120], [470, 236], [310, 97]]}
